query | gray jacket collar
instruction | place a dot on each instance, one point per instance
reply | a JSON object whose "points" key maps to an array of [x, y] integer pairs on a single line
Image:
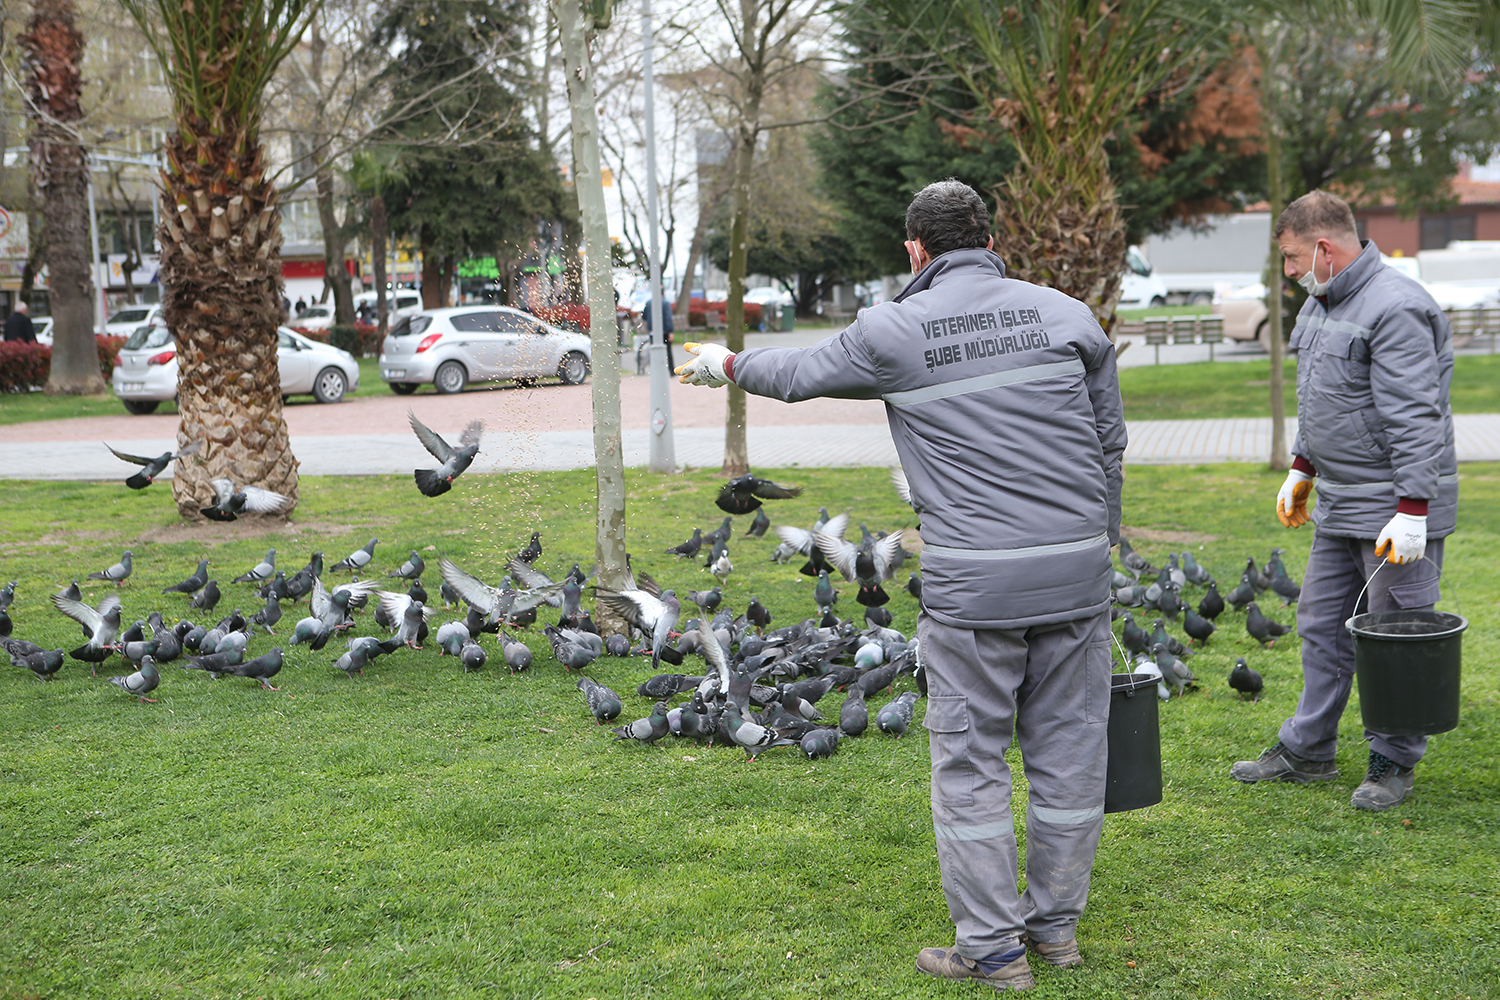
{"points": [[1351, 279], [940, 267]]}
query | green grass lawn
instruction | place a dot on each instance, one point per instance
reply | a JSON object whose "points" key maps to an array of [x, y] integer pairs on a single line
{"points": [[417, 832], [1207, 390]]}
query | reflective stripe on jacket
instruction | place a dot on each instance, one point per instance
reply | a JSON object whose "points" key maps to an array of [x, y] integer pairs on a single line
{"points": [[1004, 405], [1373, 368]]}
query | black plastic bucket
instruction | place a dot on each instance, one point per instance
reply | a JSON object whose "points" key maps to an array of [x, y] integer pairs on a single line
{"points": [[1407, 663], [1133, 778]]}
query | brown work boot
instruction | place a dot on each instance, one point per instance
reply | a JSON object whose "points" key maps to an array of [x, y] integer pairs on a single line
{"points": [[1386, 784], [1005, 973], [1063, 954], [1280, 764]]}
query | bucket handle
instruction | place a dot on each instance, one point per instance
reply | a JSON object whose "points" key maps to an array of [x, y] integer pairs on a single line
{"points": [[1441, 578], [1125, 659]]}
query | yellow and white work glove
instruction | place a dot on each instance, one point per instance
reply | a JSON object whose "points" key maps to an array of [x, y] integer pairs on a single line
{"points": [[1291, 502], [1403, 539], [707, 366]]}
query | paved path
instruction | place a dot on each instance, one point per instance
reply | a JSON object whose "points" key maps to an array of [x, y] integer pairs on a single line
{"points": [[550, 428]]}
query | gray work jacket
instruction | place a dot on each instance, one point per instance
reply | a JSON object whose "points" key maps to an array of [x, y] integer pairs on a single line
{"points": [[1374, 362], [1004, 406]]}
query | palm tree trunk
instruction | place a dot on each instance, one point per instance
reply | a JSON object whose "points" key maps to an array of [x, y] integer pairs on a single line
{"points": [[220, 241], [59, 173], [378, 238]]}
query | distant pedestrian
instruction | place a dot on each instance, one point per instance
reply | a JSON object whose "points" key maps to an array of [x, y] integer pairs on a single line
{"points": [[301, 306], [666, 325], [18, 325]]}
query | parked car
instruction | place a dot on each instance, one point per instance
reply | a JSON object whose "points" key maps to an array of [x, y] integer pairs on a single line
{"points": [[399, 302], [146, 368], [313, 318], [452, 347], [766, 296], [125, 320], [41, 326], [1139, 287]]}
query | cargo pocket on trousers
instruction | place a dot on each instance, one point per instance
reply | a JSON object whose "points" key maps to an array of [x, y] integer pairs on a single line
{"points": [[1098, 664], [947, 720], [1418, 594]]}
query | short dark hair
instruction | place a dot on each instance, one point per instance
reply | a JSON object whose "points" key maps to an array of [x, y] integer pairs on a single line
{"points": [[948, 215], [1317, 214]]}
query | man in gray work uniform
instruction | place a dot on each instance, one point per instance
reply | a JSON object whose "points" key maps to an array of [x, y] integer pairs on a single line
{"points": [[1374, 431], [1004, 406]]}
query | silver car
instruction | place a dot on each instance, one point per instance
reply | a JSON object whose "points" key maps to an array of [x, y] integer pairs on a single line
{"points": [[146, 368], [452, 347]]}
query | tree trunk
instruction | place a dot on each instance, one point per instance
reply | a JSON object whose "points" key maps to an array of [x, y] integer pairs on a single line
{"points": [[609, 525], [1280, 457], [335, 274], [736, 451], [59, 171], [432, 277], [378, 240], [220, 237]]}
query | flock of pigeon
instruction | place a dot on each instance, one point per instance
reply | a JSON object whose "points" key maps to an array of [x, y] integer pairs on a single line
{"points": [[759, 688], [1161, 655]]}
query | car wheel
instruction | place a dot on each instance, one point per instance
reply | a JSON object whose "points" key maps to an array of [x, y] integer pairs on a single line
{"points": [[330, 385], [1263, 334], [403, 388], [1200, 299], [141, 407], [450, 378], [573, 368], [1158, 302]]}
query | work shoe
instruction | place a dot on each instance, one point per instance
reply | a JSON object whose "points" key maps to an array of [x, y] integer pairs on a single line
{"points": [[1386, 784], [1280, 764], [1005, 971], [1063, 954]]}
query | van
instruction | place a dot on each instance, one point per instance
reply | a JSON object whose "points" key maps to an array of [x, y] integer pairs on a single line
{"points": [[399, 302]]}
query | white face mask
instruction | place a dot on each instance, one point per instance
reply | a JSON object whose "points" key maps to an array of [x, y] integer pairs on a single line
{"points": [[1309, 281]]}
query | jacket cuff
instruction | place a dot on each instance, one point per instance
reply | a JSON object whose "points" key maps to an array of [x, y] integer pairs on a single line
{"points": [[1303, 465], [1412, 506], [729, 372]]}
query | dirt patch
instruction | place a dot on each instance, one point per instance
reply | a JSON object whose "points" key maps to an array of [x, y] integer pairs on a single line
{"points": [[66, 540], [217, 532], [1169, 537]]}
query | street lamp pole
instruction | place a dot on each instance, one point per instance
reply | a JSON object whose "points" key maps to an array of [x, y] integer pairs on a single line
{"points": [[663, 457]]}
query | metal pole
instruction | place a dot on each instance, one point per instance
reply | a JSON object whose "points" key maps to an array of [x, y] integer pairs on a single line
{"points": [[101, 310], [663, 450]]}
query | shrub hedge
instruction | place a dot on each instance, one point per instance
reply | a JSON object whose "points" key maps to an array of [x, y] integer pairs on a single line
{"points": [[26, 366]]}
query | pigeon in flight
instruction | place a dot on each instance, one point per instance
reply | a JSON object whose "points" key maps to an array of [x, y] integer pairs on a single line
{"points": [[230, 503], [656, 617], [152, 467], [358, 559], [118, 573], [868, 564], [140, 683], [436, 482], [744, 494], [494, 603], [802, 542], [103, 624]]}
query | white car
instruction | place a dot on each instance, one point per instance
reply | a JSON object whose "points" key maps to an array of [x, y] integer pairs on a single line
{"points": [[766, 295], [41, 326], [127, 319], [452, 347], [146, 369], [1139, 288], [399, 303], [313, 318]]}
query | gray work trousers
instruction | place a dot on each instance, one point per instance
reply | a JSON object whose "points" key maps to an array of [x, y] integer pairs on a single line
{"points": [[1337, 569], [1050, 685]]}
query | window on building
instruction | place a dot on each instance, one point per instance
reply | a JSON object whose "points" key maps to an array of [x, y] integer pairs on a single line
{"points": [[1439, 230]]}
